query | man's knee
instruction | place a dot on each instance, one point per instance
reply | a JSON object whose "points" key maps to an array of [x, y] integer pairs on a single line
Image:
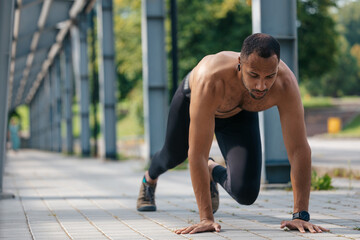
{"points": [[245, 195], [175, 161]]}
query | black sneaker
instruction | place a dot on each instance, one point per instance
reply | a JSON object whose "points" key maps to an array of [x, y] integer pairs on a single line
{"points": [[146, 199], [215, 200]]}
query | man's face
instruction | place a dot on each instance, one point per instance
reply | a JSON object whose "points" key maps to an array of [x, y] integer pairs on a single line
{"points": [[258, 74]]}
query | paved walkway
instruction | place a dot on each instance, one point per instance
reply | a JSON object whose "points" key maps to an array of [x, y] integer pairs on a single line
{"points": [[335, 152], [69, 198]]}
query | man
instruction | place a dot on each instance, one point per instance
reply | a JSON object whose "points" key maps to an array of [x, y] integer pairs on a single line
{"points": [[226, 91]]}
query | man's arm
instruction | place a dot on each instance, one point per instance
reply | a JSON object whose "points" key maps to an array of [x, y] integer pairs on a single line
{"points": [[206, 96], [294, 133], [299, 153]]}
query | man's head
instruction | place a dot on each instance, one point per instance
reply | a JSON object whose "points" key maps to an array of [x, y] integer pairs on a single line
{"points": [[259, 60]]}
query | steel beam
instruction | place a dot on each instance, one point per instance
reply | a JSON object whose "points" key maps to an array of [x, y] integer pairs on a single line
{"points": [[32, 109], [68, 94], [44, 118], [6, 29], [49, 108], [154, 74], [53, 106], [282, 26], [57, 109], [107, 75], [80, 60]]}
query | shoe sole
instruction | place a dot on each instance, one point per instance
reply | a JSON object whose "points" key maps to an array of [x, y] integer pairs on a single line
{"points": [[214, 186], [147, 209], [217, 193]]}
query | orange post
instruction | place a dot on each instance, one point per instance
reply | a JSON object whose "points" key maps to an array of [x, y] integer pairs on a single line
{"points": [[334, 125]]}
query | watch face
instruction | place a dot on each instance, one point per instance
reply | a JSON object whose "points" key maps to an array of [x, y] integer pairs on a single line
{"points": [[304, 216]]}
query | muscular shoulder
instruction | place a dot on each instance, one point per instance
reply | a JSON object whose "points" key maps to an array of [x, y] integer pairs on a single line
{"points": [[287, 82], [211, 69], [207, 74], [207, 78], [287, 89], [216, 62]]}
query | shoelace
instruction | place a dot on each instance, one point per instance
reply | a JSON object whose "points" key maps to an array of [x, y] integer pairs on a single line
{"points": [[149, 193]]}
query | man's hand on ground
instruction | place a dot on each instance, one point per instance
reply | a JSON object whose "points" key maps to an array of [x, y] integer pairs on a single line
{"points": [[203, 226], [302, 226]]}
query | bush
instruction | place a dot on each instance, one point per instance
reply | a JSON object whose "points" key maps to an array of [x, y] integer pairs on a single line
{"points": [[320, 183]]}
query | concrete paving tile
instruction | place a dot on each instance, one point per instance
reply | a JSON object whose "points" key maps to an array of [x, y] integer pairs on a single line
{"points": [[22, 237], [103, 192]]}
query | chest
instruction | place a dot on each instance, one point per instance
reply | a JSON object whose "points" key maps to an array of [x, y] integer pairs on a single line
{"points": [[241, 100]]}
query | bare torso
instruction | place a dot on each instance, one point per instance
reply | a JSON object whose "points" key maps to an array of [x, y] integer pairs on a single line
{"points": [[223, 66]]}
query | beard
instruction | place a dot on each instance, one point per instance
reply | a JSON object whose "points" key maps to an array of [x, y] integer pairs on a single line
{"points": [[257, 97], [255, 94]]}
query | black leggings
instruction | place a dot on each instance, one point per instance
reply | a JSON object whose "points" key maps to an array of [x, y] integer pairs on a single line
{"points": [[239, 141]]}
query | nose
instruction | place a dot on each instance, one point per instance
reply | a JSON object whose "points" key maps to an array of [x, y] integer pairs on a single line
{"points": [[260, 85]]}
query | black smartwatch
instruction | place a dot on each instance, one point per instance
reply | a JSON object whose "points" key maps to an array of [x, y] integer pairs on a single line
{"points": [[303, 215]]}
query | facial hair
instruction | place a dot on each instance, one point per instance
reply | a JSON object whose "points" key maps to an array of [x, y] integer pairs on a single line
{"points": [[251, 91]]}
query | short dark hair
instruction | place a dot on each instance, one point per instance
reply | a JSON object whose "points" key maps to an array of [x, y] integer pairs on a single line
{"points": [[263, 44]]}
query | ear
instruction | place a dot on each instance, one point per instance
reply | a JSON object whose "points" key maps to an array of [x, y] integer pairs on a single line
{"points": [[239, 58]]}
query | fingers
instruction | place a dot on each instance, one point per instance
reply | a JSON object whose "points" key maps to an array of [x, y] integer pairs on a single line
{"points": [[310, 227], [206, 228], [185, 230], [283, 224], [301, 228], [217, 227], [289, 224], [199, 228], [188, 229], [324, 229], [178, 231], [317, 229]]}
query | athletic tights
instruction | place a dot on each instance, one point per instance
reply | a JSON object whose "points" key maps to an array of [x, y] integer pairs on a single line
{"points": [[239, 141]]}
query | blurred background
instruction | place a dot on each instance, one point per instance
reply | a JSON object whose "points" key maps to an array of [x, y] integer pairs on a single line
{"points": [[328, 54]]}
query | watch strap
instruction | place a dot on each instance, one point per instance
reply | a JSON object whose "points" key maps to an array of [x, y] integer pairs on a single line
{"points": [[303, 215]]}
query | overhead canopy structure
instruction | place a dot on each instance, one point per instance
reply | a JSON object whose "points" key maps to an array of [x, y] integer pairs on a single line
{"points": [[40, 60], [40, 27]]}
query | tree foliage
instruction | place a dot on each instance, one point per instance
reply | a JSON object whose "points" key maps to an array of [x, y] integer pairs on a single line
{"points": [[316, 38], [127, 30], [208, 27], [349, 18], [340, 81], [327, 57]]}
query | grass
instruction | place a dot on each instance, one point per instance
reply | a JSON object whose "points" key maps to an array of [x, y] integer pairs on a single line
{"points": [[182, 166], [320, 183], [345, 173], [129, 126], [352, 129], [127, 123], [317, 102], [24, 115]]}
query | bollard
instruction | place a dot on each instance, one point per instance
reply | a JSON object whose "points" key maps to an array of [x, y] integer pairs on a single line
{"points": [[334, 125]]}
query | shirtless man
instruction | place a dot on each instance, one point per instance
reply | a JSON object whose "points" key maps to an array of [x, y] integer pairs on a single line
{"points": [[227, 90]]}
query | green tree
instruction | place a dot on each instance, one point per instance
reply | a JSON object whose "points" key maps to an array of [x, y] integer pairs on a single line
{"points": [[340, 81], [355, 52], [317, 38], [208, 27], [349, 18], [127, 30]]}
